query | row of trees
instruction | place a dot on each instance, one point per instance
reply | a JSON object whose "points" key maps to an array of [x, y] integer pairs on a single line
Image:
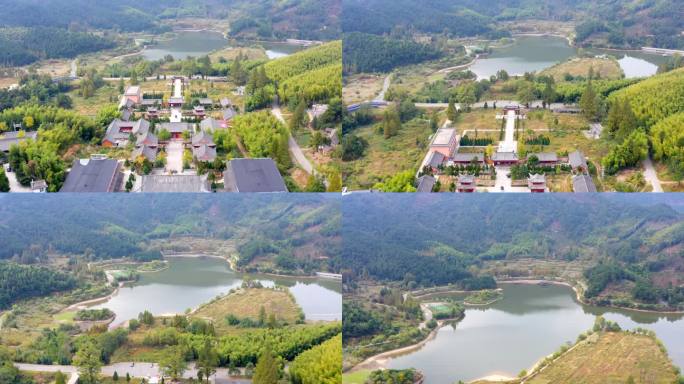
{"points": [[19, 282]]}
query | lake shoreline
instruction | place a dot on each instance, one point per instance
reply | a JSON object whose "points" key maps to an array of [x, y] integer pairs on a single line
{"points": [[580, 297]]}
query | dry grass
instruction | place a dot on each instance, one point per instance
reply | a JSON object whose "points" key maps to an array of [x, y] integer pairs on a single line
{"points": [[613, 358], [361, 87], [248, 303], [387, 157], [605, 68]]}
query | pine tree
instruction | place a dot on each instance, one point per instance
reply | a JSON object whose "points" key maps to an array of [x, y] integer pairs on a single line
{"points": [[589, 102], [4, 181], [115, 376], [334, 182], [266, 371], [452, 112]]}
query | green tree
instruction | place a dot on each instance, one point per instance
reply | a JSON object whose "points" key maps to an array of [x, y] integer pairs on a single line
{"points": [[452, 112], [87, 360], [315, 184], [207, 360], [173, 363], [4, 181], [334, 181], [267, 370], [391, 122], [589, 102], [526, 93], [115, 376], [60, 378]]}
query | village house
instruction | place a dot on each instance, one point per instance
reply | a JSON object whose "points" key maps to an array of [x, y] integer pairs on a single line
{"points": [[97, 174], [8, 139], [504, 158], [425, 184], [253, 175], [468, 158], [177, 129], [435, 161], [206, 102], [445, 141], [39, 186], [119, 132], [537, 183], [228, 114], [131, 97], [466, 184], [199, 111], [578, 162], [210, 124], [225, 103], [203, 147], [583, 183], [545, 158]]}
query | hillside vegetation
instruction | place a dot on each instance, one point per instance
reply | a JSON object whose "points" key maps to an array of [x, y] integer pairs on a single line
{"points": [[655, 98], [631, 23], [304, 229], [369, 53], [629, 252]]}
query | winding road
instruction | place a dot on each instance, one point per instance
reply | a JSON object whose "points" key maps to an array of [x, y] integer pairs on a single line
{"points": [[136, 370], [295, 149], [651, 175]]}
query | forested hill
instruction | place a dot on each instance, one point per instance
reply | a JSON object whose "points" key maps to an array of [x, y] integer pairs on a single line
{"points": [[629, 23], [436, 238], [306, 19], [116, 226]]}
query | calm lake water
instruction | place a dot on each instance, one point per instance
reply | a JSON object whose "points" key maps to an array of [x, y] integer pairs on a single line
{"points": [[185, 44], [200, 43], [530, 322], [189, 282], [536, 53]]}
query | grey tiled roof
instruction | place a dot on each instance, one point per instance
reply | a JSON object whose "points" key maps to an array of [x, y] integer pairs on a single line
{"points": [[7, 139], [253, 175], [90, 175], [504, 156], [468, 157], [583, 183], [425, 183], [210, 124], [576, 160], [546, 157], [436, 159], [176, 127], [114, 134], [204, 153], [149, 152]]}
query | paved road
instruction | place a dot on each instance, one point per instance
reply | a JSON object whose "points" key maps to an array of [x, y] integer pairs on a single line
{"points": [[136, 370], [651, 175], [385, 87], [295, 150], [74, 68], [15, 186], [509, 144], [174, 156]]}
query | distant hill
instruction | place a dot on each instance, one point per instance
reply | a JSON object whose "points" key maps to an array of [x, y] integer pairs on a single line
{"points": [[630, 23], [303, 19], [437, 240], [303, 229]]}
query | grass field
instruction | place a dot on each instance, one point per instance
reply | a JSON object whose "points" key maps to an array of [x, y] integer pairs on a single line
{"points": [[603, 67], [358, 377], [248, 302], [386, 157], [613, 358], [361, 87]]}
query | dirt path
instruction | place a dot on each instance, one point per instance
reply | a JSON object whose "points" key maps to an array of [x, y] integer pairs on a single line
{"points": [[651, 175], [295, 150]]}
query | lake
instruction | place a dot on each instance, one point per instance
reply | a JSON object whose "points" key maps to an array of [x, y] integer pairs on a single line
{"points": [[276, 50], [200, 43], [186, 43], [529, 323], [189, 282], [536, 53]]}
